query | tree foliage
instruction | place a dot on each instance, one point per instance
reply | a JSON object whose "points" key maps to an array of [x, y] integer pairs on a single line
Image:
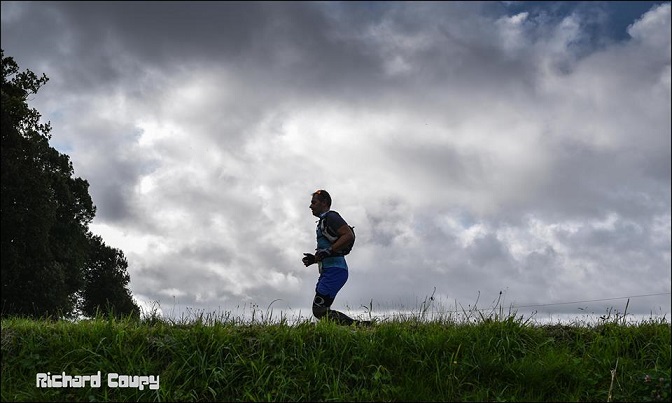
{"points": [[106, 280], [48, 254]]}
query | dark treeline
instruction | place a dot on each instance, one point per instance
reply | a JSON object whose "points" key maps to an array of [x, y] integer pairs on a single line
{"points": [[52, 265]]}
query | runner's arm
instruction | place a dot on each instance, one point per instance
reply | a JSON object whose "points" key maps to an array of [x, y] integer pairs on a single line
{"points": [[345, 237]]}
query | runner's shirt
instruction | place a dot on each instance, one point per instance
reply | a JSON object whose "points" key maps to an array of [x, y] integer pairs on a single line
{"points": [[335, 222]]}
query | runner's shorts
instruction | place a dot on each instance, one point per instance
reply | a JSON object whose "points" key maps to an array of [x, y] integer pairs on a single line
{"points": [[331, 280]]}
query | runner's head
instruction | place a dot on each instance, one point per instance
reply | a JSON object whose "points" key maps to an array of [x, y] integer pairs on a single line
{"points": [[320, 202]]}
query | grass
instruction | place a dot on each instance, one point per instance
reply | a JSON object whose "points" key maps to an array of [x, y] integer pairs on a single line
{"points": [[489, 357]]}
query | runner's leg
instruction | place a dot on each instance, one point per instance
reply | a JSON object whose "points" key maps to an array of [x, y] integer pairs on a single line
{"points": [[322, 308]]}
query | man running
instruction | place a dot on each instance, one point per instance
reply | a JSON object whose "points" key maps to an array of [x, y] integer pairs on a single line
{"points": [[330, 258]]}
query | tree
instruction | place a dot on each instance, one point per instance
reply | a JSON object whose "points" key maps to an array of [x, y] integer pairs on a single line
{"points": [[106, 280], [46, 245]]}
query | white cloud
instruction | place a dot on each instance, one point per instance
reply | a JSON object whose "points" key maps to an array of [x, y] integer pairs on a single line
{"points": [[653, 29]]}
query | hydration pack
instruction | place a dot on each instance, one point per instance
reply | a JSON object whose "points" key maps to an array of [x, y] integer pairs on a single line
{"points": [[332, 235]]}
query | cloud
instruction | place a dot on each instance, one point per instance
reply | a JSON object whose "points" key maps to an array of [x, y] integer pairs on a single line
{"points": [[476, 148]]}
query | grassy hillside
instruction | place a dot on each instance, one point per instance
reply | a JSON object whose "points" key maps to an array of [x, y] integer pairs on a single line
{"points": [[500, 359]]}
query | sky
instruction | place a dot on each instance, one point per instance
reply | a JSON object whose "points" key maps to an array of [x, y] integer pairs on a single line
{"points": [[493, 157]]}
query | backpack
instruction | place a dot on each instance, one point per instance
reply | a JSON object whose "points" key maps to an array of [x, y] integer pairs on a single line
{"points": [[332, 236]]}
